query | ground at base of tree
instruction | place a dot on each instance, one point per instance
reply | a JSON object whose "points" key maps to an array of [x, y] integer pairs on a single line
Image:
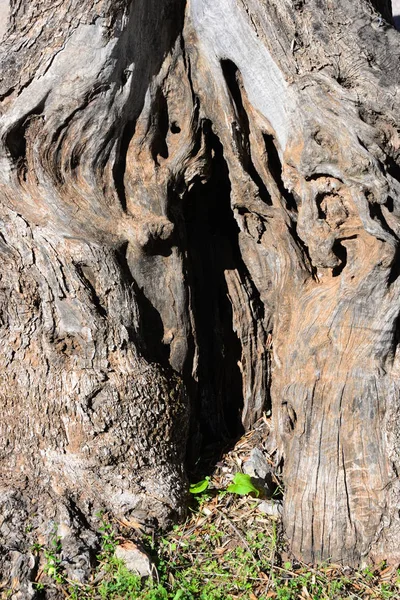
{"points": [[228, 548]]}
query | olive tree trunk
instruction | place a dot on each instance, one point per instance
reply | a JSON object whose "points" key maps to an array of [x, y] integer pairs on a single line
{"points": [[199, 220]]}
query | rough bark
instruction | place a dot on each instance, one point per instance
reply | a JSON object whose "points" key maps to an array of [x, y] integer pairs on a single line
{"points": [[200, 216]]}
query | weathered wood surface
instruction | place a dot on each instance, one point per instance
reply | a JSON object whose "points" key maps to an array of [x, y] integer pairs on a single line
{"points": [[396, 13], [200, 215]]}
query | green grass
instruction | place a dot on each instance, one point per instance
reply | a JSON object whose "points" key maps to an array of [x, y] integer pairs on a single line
{"points": [[226, 550]]}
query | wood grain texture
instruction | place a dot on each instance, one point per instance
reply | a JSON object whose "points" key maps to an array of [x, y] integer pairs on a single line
{"points": [[199, 220]]}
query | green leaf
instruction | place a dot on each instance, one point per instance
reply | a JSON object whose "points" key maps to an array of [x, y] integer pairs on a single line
{"points": [[201, 486], [242, 485]]}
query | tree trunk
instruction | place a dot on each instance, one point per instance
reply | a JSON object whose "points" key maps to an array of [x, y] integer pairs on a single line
{"points": [[199, 220]]}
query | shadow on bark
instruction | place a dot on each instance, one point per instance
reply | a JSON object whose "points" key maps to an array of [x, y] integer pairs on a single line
{"points": [[207, 235]]}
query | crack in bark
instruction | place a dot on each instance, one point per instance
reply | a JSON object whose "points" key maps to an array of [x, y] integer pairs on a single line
{"points": [[185, 200]]}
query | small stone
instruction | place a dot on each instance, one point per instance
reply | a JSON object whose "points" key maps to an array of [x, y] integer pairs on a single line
{"points": [[257, 466], [260, 472], [270, 508], [135, 559]]}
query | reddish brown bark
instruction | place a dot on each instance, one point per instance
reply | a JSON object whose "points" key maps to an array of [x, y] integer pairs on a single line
{"points": [[199, 218]]}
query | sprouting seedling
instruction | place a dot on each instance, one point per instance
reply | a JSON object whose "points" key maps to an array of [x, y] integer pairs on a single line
{"points": [[200, 486], [242, 485]]}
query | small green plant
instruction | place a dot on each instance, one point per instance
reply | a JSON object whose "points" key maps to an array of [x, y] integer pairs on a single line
{"points": [[108, 541], [368, 573], [242, 485], [36, 548], [200, 486], [119, 583], [52, 556]]}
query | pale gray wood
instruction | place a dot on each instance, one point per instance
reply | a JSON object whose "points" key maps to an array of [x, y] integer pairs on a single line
{"points": [[199, 219], [4, 12]]}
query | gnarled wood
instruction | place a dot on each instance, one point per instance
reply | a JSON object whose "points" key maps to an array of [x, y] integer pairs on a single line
{"points": [[199, 218]]}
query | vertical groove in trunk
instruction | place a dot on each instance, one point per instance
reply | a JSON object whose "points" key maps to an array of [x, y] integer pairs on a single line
{"points": [[199, 218], [211, 238]]}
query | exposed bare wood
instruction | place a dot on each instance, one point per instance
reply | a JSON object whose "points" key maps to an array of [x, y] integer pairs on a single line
{"points": [[199, 220]]}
